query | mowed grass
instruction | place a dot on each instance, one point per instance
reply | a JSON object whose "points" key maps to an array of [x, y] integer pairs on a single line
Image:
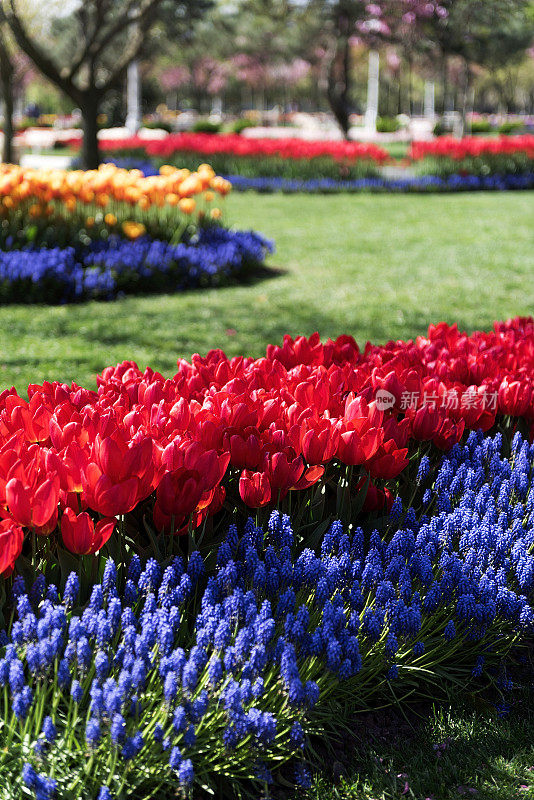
{"points": [[447, 752], [396, 149], [376, 266]]}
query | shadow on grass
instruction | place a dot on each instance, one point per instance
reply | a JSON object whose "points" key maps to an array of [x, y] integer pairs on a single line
{"points": [[259, 275], [432, 753]]}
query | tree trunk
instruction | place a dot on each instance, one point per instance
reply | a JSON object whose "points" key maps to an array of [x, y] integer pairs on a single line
{"points": [[338, 83], [6, 83], [445, 85], [90, 151], [7, 148], [465, 99], [409, 60], [7, 94]]}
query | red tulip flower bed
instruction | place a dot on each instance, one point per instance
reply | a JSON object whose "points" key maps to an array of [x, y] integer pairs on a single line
{"points": [[309, 424], [474, 155], [231, 154], [298, 165]]}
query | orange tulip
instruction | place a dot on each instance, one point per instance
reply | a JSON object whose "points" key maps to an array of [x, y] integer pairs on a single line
{"points": [[133, 230], [187, 205], [102, 199]]}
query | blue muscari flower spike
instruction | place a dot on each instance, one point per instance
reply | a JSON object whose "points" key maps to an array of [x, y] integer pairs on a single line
{"points": [[76, 691], [424, 469], [104, 794], [52, 593], [195, 566], [93, 732], [297, 736], [130, 592], [450, 630], [72, 590], [132, 746], [134, 568], [175, 758], [19, 587], [44, 788], [49, 729], [303, 776], [109, 579], [186, 773], [38, 590], [29, 776]]}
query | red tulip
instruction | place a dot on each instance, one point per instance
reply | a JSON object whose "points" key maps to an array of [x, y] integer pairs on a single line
{"points": [[449, 434], [359, 443], [81, 536], [245, 448], [314, 392], [108, 498], [283, 470], [309, 477], [177, 497], [11, 539], [515, 397], [474, 409], [389, 383], [254, 488], [426, 422], [389, 461], [210, 503], [209, 463], [120, 458], [33, 508], [320, 441], [345, 350], [375, 499]]}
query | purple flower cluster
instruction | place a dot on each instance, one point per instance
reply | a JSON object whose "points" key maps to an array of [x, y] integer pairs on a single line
{"points": [[103, 269], [422, 183], [279, 632]]}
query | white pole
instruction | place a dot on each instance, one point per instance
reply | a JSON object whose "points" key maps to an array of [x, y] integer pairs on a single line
{"points": [[133, 100], [430, 95], [371, 113]]}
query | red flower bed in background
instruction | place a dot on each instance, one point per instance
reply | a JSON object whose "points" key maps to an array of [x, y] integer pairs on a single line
{"points": [[472, 147], [73, 459], [232, 144]]}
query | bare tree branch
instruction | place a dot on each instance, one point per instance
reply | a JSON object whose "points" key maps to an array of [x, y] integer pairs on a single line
{"points": [[37, 54], [89, 37], [134, 50], [126, 20]]}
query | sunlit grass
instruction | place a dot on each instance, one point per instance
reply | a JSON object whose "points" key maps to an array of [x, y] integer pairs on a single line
{"points": [[374, 266]]}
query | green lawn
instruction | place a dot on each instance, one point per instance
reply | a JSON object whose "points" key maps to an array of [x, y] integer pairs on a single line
{"points": [[397, 149], [375, 266], [445, 753]]}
